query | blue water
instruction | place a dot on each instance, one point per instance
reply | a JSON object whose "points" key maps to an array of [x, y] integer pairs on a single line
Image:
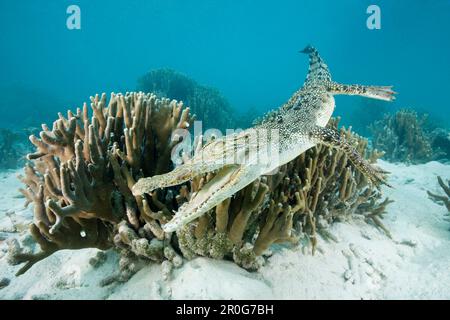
{"points": [[247, 49]]}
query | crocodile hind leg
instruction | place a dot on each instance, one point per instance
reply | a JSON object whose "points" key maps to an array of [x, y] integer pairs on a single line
{"points": [[332, 138], [376, 92]]}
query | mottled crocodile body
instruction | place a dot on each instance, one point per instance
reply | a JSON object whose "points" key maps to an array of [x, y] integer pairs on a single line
{"points": [[298, 125]]}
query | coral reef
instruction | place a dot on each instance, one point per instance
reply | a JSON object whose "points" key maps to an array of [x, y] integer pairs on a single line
{"points": [[99, 259], [402, 137], [206, 102], [442, 199], [79, 181]]}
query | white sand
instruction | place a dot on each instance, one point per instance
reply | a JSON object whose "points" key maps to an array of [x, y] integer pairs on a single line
{"points": [[364, 264]]}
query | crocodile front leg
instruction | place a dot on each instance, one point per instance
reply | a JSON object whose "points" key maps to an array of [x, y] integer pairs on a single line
{"points": [[332, 138]]}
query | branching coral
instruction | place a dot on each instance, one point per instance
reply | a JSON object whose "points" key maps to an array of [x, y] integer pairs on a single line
{"points": [[301, 200], [402, 137], [80, 177], [442, 199]]}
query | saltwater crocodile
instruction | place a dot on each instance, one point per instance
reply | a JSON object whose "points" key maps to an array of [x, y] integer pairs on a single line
{"points": [[289, 131]]}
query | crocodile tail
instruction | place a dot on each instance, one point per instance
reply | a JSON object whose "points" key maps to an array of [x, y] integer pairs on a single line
{"points": [[318, 70]]}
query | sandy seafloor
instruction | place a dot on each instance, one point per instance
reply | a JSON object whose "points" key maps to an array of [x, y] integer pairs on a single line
{"points": [[363, 264]]}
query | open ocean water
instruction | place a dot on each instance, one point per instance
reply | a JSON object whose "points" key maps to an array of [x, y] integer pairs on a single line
{"points": [[246, 49]]}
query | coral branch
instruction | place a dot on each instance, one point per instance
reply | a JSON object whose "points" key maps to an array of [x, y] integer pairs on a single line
{"points": [[81, 175], [442, 199]]}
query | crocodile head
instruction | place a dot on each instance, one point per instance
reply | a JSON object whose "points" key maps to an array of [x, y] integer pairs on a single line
{"points": [[227, 181]]}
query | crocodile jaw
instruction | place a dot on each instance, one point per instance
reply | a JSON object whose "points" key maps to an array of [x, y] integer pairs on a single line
{"points": [[229, 180]]}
